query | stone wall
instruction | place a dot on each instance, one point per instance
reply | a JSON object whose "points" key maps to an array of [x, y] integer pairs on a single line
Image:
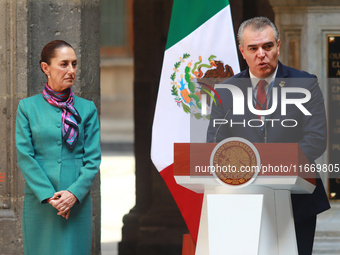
{"points": [[13, 86], [27, 25]]}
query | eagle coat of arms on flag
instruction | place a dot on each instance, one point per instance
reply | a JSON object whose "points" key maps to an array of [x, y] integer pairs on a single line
{"points": [[191, 79]]}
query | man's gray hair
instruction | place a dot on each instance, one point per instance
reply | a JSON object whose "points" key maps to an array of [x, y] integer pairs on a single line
{"points": [[256, 24]]}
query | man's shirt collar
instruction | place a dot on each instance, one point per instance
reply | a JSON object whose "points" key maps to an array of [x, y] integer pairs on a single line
{"points": [[255, 80]]}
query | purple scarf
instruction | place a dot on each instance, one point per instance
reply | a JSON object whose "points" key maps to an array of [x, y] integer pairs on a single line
{"points": [[70, 116]]}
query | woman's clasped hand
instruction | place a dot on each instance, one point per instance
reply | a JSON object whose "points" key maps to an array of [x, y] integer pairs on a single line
{"points": [[63, 201]]}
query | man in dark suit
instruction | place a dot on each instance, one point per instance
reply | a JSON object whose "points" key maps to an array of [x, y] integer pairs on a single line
{"points": [[259, 44]]}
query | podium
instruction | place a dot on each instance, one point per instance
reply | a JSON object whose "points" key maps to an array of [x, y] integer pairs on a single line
{"points": [[255, 219]]}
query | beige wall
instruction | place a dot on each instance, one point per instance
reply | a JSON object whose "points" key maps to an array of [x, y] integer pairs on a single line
{"points": [[117, 100]]}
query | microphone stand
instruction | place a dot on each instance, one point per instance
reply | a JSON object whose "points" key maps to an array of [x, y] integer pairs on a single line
{"points": [[221, 124]]}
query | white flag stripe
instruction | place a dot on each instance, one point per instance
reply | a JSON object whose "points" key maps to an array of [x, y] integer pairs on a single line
{"points": [[171, 123]]}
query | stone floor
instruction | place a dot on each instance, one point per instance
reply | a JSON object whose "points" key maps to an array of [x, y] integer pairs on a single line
{"points": [[327, 237], [118, 196], [117, 179]]}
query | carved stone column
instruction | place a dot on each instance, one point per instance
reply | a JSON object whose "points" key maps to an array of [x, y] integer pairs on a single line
{"points": [[77, 22], [27, 25], [154, 225], [13, 84]]}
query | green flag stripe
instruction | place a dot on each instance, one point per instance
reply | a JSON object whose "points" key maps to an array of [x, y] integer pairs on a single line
{"points": [[188, 15]]}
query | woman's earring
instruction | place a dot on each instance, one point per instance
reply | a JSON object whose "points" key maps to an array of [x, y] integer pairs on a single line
{"points": [[49, 76]]}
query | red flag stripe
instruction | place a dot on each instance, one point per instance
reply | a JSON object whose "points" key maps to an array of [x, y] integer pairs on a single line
{"points": [[188, 202]]}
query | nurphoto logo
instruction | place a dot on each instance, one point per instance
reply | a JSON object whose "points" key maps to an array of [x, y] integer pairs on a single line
{"points": [[239, 105]]}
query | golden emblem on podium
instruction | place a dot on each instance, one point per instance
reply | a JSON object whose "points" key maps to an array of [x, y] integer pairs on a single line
{"points": [[235, 162]]}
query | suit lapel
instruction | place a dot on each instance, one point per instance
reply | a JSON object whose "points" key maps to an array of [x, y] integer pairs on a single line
{"points": [[279, 82], [248, 115]]}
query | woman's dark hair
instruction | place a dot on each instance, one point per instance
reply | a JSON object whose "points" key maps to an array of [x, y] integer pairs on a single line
{"points": [[48, 51]]}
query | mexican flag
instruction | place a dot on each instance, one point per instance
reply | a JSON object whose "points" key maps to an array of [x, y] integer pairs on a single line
{"points": [[200, 52]]}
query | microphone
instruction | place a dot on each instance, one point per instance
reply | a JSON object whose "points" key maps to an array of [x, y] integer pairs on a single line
{"points": [[265, 129], [268, 102], [221, 124]]}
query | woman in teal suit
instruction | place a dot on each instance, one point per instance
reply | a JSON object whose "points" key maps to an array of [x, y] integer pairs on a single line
{"points": [[58, 150]]}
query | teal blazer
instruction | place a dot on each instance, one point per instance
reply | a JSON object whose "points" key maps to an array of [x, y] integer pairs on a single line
{"points": [[48, 166]]}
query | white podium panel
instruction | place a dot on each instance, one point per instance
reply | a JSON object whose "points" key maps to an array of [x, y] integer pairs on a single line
{"points": [[234, 223], [251, 220], [285, 223]]}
